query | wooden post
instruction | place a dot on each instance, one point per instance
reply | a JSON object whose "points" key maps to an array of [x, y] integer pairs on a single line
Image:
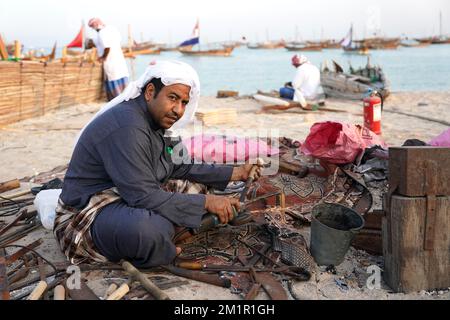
{"points": [[17, 49], [410, 266], [64, 54], [3, 51]]}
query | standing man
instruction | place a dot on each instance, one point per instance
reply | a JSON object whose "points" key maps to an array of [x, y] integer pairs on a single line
{"points": [[110, 54], [112, 206], [306, 83]]}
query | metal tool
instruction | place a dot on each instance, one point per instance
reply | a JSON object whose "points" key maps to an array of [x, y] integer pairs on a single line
{"points": [[199, 276], [251, 177]]}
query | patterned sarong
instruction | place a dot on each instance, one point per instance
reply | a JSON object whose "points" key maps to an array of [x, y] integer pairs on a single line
{"points": [[115, 87], [72, 227]]}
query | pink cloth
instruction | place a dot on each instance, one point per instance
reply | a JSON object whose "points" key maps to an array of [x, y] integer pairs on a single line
{"points": [[220, 149], [442, 140], [338, 143]]}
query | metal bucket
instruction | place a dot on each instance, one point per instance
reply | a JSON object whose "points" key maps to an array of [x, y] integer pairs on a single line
{"points": [[333, 228]]}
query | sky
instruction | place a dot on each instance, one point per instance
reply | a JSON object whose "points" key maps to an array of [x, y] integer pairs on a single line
{"points": [[41, 22]]}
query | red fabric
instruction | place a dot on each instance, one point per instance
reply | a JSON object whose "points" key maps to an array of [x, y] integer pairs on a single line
{"points": [[78, 41], [338, 143]]}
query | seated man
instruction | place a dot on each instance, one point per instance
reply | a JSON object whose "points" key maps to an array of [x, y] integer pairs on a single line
{"points": [[112, 206], [306, 84]]}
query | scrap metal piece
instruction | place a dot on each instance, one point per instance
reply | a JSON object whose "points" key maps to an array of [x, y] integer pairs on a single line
{"points": [[84, 293], [21, 252], [271, 285], [19, 217], [4, 286]]}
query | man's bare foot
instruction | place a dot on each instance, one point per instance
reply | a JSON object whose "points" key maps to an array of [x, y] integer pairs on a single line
{"points": [[178, 250]]}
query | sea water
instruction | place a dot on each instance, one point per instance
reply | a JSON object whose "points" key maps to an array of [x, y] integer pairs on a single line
{"points": [[249, 70]]}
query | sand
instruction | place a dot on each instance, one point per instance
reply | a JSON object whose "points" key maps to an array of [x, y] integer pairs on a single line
{"points": [[40, 144]]}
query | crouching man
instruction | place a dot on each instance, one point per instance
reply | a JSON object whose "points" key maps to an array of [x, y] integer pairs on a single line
{"points": [[112, 206]]}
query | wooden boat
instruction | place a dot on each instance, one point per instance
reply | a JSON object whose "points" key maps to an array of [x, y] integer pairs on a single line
{"points": [[303, 47], [382, 43], [358, 47], [33, 56], [354, 84], [132, 53], [440, 40], [186, 47], [353, 46], [409, 43], [330, 44], [267, 45], [234, 44], [168, 48], [224, 52]]}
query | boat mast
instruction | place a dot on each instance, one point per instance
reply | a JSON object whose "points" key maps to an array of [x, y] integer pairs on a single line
{"points": [[130, 38], [83, 36], [440, 24], [197, 27]]}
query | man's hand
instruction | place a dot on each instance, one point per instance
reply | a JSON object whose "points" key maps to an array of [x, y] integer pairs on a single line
{"points": [[222, 207], [242, 173], [101, 59]]}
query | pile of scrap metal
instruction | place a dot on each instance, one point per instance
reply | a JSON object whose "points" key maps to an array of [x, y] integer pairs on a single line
{"points": [[354, 84], [262, 248]]}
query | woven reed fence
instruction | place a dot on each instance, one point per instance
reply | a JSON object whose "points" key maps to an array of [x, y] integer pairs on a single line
{"points": [[29, 89]]}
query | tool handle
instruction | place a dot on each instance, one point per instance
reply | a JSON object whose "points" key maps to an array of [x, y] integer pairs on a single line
{"points": [[38, 291], [119, 293], [112, 287], [145, 282], [190, 265], [59, 293]]}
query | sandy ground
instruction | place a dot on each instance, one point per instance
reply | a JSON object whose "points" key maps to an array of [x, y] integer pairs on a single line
{"points": [[40, 144]]}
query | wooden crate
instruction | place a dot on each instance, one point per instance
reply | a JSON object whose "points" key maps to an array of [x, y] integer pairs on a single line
{"points": [[408, 166], [416, 243]]}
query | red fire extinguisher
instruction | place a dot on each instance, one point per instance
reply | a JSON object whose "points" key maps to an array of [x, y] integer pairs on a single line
{"points": [[373, 106]]}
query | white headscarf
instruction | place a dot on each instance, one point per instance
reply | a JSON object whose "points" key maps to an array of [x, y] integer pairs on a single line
{"points": [[170, 72], [299, 59]]}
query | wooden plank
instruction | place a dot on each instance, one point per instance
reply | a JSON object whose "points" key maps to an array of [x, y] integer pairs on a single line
{"points": [[409, 267]]}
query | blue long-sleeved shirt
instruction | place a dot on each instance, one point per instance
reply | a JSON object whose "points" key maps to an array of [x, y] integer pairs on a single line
{"points": [[124, 148]]}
